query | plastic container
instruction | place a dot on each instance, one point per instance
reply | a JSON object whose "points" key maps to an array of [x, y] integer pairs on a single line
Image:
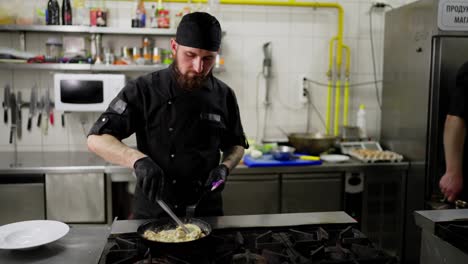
{"points": [[361, 121], [54, 48]]}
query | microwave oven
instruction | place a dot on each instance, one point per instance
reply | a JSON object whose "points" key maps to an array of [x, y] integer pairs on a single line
{"points": [[86, 92]]}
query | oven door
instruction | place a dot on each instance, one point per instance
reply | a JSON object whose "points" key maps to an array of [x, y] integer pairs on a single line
{"points": [[22, 197]]}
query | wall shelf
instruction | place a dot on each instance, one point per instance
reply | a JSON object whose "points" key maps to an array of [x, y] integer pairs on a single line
{"points": [[85, 29], [88, 67], [81, 67]]}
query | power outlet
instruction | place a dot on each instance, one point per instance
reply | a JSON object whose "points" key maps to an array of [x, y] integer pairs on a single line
{"points": [[302, 92]]}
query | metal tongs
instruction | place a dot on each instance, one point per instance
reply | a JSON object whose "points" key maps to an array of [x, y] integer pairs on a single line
{"points": [[168, 210]]}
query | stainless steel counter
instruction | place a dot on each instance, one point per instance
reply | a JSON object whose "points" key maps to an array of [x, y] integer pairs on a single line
{"points": [[45, 162], [428, 219], [245, 221], [83, 244], [85, 162]]}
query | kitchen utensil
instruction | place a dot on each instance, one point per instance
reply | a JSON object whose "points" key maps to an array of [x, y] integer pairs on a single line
{"points": [[6, 102], [48, 106], [30, 234], [460, 204], [14, 113], [311, 143], [19, 123], [41, 109], [335, 158], [307, 157], [168, 210], [174, 248], [190, 210], [32, 106], [283, 153], [216, 184]]}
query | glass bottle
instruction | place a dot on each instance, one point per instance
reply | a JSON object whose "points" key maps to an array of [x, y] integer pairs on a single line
{"points": [[66, 12]]}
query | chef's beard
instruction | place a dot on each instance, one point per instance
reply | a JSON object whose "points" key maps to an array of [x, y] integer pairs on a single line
{"points": [[186, 82]]}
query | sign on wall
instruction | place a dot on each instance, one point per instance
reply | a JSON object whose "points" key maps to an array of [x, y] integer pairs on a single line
{"points": [[453, 15]]}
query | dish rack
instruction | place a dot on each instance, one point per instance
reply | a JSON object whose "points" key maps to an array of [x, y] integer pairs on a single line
{"points": [[371, 156]]}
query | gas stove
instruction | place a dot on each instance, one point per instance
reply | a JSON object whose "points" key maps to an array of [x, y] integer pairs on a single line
{"points": [[302, 244]]}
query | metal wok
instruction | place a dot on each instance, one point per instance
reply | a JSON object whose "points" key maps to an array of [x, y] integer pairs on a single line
{"points": [[311, 143], [175, 247]]}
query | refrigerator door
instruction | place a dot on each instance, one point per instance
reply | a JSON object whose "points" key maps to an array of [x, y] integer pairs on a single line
{"points": [[449, 54]]}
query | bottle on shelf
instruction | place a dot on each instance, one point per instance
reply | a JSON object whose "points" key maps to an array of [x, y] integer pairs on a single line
{"points": [[163, 19], [53, 13], [146, 51], [66, 12], [102, 15], [361, 121], [153, 14], [142, 13]]}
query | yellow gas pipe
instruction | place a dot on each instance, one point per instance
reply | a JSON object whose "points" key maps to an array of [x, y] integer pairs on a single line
{"points": [[346, 89], [330, 80]]}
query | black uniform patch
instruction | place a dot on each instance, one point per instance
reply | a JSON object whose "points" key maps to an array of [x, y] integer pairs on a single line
{"points": [[210, 117], [118, 105]]}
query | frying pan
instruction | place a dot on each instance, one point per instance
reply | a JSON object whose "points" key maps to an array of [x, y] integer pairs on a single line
{"points": [[179, 247]]}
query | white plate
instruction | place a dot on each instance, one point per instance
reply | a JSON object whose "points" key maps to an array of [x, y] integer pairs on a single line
{"points": [[30, 234], [334, 158]]}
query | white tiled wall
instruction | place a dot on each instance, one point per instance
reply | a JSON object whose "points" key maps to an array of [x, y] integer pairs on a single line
{"points": [[299, 39]]}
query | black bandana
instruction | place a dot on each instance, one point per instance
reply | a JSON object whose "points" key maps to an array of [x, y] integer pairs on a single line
{"points": [[199, 30]]}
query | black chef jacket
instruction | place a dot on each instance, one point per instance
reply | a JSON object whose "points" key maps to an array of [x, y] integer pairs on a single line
{"points": [[182, 131], [458, 106]]}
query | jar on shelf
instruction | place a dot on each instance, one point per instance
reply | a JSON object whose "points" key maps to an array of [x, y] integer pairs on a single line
{"points": [[163, 18], [156, 55], [54, 48]]}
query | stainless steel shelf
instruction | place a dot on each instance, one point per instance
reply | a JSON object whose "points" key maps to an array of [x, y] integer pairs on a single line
{"points": [[85, 29], [82, 67], [46, 66], [128, 68]]}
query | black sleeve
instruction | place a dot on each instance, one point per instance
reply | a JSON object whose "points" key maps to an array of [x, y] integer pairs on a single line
{"points": [[459, 94], [234, 133], [121, 117]]}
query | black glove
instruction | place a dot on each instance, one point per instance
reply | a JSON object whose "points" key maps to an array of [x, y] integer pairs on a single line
{"points": [[219, 173], [150, 178]]}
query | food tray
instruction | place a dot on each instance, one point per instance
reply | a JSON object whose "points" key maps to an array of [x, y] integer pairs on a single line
{"points": [[371, 156]]}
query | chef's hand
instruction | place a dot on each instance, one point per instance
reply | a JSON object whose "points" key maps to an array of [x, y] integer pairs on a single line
{"points": [[150, 178], [217, 174], [451, 185]]}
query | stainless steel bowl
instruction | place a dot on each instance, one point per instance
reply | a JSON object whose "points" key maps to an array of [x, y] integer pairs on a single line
{"points": [[283, 153], [311, 143]]}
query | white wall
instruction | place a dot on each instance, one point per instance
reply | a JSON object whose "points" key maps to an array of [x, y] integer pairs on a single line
{"points": [[299, 38]]}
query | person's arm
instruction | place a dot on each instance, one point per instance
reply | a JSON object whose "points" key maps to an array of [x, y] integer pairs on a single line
{"points": [[451, 183], [113, 150], [232, 156]]}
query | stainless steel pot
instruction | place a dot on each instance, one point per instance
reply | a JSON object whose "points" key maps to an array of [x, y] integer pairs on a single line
{"points": [[311, 143]]}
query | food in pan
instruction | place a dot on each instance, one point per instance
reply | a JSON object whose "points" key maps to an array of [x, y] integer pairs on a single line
{"points": [[175, 235]]}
